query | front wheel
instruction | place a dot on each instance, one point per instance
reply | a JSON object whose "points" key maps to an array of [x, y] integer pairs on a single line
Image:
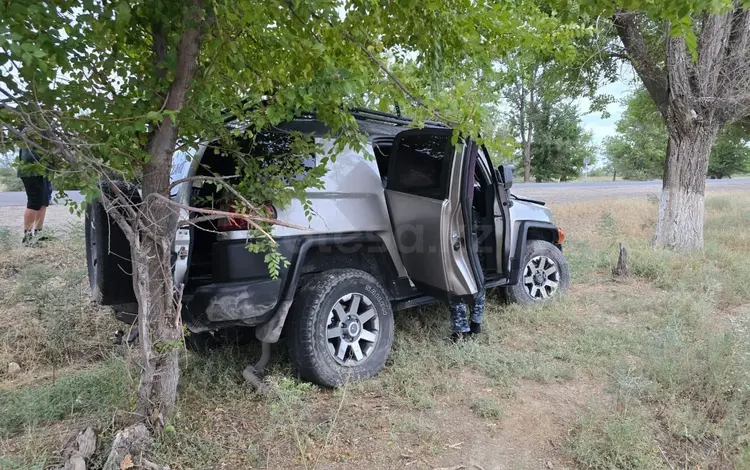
{"points": [[341, 327], [544, 274]]}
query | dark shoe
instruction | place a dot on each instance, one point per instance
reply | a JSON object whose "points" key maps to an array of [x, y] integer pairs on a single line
{"points": [[133, 336], [42, 236], [27, 236], [456, 337], [476, 328], [461, 337]]}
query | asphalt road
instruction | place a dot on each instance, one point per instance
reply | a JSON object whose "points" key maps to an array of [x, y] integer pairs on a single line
{"points": [[580, 192], [549, 192]]}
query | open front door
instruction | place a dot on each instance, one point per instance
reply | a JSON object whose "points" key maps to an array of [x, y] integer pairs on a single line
{"points": [[429, 185]]}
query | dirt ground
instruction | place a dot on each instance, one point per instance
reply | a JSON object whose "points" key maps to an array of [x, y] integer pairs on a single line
{"points": [[58, 218]]}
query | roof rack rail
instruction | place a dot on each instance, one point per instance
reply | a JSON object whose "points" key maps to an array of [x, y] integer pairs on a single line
{"points": [[358, 113], [381, 116]]}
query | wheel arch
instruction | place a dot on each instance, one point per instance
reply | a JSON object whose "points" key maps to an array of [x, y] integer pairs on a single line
{"points": [[365, 251], [531, 230]]}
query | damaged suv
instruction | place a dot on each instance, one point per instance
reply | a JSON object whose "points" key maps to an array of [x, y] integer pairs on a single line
{"points": [[392, 229]]}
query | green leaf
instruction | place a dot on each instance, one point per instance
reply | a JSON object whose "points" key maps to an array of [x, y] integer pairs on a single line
{"points": [[691, 42], [154, 116]]}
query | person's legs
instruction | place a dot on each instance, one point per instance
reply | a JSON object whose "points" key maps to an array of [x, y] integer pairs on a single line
{"points": [[46, 200], [29, 217], [459, 322], [477, 313], [34, 186], [39, 221]]}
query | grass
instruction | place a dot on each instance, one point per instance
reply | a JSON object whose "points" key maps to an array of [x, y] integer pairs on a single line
{"points": [[88, 393], [48, 318], [644, 373]]}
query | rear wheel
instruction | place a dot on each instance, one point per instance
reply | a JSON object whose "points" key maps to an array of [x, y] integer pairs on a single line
{"points": [[108, 254], [544, 274], [341, 327]]}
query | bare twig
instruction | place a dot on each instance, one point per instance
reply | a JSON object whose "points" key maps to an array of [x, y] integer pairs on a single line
{"points": [[665, 457], [220, 179], [251, 219]]}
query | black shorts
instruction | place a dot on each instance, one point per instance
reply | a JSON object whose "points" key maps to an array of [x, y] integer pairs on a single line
{"points": [[38, 192]]}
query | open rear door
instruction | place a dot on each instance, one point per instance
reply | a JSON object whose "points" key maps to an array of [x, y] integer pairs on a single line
{"points": [[429, 185]]}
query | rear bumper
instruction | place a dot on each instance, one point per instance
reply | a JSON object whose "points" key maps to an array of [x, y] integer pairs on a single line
{"points": [[249, 303]]}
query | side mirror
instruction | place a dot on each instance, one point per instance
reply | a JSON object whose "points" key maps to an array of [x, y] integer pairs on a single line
{"points": [[505, 173]]}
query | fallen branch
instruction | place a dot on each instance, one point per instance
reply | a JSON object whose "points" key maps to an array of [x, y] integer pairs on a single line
{"points": [[133, 440], [79, 449]]}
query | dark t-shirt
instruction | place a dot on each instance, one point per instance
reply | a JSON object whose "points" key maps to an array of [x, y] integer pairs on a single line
{"points": [[25, 157]]}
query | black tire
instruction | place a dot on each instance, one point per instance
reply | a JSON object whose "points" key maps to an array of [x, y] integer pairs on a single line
{"points": [[312, 352], [520, 292], [108, 254]]}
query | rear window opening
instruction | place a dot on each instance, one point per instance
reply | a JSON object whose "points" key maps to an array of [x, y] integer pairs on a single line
{"points": [[266, 149], [382, 151]]}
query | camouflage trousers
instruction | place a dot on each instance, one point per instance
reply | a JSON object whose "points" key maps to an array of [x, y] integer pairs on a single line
{"points": [[459, 310]]}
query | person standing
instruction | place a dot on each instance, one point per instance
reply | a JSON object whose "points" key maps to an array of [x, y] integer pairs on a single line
{"points": [[462, 327], [38, 196]]}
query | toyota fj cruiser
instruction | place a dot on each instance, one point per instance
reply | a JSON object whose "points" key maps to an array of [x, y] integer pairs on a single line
{"points": [[418, 218]]}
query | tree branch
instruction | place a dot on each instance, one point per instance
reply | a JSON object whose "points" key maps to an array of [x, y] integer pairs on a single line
{"points": [[734, 80], [654, 77], [232, 215], [218, 179], [682, 97], [714, 37]]}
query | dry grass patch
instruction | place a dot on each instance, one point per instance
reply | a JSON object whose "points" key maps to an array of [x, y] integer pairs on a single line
{"points": [[648, 372], [47, 316]]}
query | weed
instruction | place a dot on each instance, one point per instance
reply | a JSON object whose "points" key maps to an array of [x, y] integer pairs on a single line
{"points": [[49, 317], [487, 408], [7, 238], [716, 204], [607, 225], [96, 391], [620, 441]]}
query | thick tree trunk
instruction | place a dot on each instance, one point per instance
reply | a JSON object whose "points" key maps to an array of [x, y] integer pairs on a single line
{"points": [[681, 208]]}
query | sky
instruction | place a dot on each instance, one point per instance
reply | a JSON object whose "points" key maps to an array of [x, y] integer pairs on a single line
{"points": [[594, 122]]}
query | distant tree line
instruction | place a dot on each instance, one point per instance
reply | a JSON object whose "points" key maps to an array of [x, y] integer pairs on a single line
{"points": [[639, 149]]}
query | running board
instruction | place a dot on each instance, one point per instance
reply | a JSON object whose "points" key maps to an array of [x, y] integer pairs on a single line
{"points": [[426, 299]]}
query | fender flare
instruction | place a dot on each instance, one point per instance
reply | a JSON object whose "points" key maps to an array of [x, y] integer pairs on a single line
{"points": [[520, 251], [270, 331]]}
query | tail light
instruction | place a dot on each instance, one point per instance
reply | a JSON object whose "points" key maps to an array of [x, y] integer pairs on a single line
{"points": [[239, 223], [231, 223], [271, 211]]}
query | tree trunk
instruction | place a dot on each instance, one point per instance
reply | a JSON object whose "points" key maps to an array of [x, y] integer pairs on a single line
{"points": [[159, 322], [681, 208], [531, 109], [527, 159], [159, 315]]}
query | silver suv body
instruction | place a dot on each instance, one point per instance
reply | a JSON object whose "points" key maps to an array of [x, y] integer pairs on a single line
{"points": [[419, 216]]}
